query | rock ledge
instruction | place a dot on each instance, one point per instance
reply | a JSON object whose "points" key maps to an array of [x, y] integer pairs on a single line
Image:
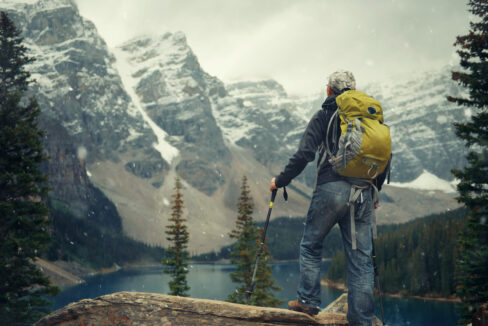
{"points": [[137, 308]]}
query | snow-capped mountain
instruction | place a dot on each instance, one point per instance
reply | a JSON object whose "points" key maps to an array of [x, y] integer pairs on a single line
{"points": [[77, 82], [129, 120], [195, 115], [85, 109], [168, 83]]}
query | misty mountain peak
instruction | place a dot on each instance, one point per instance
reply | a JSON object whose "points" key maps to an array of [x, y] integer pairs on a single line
{"points": [[269, 87], [160, 50]]}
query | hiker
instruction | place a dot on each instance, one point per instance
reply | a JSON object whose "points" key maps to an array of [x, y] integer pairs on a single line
{"points": [[330, 205]]}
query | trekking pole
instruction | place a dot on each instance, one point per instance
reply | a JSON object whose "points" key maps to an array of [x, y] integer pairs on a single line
{"points": [[261, 245], [376, 274]]}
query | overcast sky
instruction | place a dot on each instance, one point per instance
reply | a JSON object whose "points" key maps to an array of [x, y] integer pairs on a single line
{"points": [[300, 42]]}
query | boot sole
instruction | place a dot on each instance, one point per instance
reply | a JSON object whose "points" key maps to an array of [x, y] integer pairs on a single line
{"points": [[309, 312]]}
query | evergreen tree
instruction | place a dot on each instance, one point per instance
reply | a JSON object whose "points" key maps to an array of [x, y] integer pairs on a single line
{"points": [[263, 291], [244, 253], [177, 254], [472, 263], [24, 215]]}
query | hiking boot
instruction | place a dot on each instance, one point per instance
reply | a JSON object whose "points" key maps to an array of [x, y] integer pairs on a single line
{"points": [[296, 306]]}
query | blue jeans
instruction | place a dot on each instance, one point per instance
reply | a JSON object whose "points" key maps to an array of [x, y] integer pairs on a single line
{"points": [[329, 206]]}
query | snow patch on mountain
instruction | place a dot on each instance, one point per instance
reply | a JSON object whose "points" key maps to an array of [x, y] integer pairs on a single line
{"points": [[167, 151], [231, 118], [428, 181], [161, 55]]}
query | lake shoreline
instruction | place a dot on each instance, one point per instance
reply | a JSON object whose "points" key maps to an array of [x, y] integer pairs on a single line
{"points": [[75, 269], [342, 286], [64, 273]]}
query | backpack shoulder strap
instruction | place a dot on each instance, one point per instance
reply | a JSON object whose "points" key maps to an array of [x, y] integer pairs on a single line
{"points": [[325, 144], [332, 119]]}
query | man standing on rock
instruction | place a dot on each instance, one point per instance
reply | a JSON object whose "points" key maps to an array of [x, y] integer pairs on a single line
{"points": [[330, 205]]}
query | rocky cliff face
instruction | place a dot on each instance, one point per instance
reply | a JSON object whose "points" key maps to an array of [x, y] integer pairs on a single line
{"points": [[77, 83], [85, 108], [170, 86], [264, 121], [133, 308]]}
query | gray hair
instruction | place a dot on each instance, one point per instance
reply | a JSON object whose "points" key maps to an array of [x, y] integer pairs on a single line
{"points": [[342, 79]]}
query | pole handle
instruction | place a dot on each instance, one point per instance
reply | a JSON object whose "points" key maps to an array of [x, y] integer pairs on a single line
{"points": [[273, 196]]}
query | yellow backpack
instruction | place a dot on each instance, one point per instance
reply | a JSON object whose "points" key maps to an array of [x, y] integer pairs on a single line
{"points": [[364, 146]]}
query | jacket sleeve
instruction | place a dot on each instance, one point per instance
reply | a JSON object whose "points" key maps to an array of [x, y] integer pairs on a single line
{"points": [[311, 140], [379, 180]]}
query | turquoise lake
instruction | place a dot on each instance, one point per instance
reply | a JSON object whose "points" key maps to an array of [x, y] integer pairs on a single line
{"points": [[212, 281]]}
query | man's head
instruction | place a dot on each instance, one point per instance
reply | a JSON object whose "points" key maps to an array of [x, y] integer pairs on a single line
{"points": [[340, 80]]}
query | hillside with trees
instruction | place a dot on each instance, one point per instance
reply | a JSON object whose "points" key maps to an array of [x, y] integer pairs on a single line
{"points": [[415, 258]]}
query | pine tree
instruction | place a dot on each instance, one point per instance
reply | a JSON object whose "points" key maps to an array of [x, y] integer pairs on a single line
{"points": [[23, 190], [263, 291], [472, 263], [177, 254], [244, 251], [243, 255]]}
